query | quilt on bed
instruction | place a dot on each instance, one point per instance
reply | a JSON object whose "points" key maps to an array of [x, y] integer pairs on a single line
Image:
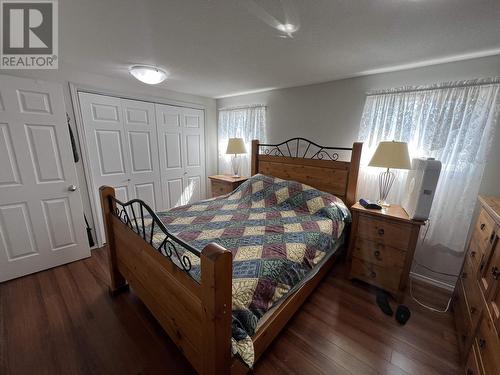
{"points": [[277, 231]]}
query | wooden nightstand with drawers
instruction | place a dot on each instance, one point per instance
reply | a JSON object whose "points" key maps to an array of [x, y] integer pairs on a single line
{"points": [[381, 247], [223, 184]]}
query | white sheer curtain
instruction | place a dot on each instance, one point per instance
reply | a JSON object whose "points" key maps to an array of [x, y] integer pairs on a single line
{"points": [[452, 122], [242, 122]]}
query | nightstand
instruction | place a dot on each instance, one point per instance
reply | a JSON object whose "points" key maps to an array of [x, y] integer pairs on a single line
{"points": [[224, 184], [381, 247]]}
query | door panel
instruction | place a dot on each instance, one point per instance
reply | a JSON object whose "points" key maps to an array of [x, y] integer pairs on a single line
{"points": [[17, 233], [57, 214], [110, 152], [34, 102], [38, 214], [173, 155], [44, 153], [193, 149], [175, 190], [140, 152], [9, 171], [194, 188]]}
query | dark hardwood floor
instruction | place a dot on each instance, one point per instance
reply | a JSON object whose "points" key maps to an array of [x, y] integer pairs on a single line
{"points": [[62, 321]]}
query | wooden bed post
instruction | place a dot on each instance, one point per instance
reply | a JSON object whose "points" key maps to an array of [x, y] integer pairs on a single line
{"points": [[255, 160], [352, 183], [118, 282], [216, 298]]}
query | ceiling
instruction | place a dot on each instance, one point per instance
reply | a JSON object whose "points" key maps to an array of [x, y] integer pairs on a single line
{"points": [[218, 48]]}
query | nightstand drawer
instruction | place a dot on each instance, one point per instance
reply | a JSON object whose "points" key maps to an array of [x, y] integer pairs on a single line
{"points": [[387, 278], [386, 232], [378, 253], [220, 188]]}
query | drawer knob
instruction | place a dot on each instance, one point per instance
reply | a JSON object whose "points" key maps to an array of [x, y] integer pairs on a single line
{"points": [[470, 372], [472, 254], [373, 274], [464, 275], [377, 254], [495, 273], [473, 310], [482, 343], [381, 231], [482, 226]]}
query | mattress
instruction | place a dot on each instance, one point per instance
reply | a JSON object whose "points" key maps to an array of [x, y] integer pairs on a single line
{"points": [[280, 232]]}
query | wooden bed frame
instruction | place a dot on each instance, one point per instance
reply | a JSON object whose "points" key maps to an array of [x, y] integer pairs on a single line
{"points": [[197, 315]]}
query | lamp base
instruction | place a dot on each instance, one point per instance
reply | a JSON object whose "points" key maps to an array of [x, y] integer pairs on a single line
{"points": [[385, 180], [235, 165], [383, 204]]}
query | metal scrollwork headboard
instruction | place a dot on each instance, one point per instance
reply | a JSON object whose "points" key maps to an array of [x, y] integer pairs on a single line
{"points": [[301, 148]]}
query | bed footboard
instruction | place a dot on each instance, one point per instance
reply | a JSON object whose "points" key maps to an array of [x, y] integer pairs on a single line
{"points": [[196, 314]]}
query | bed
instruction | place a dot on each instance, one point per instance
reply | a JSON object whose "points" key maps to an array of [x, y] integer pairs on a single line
{"points": [[223, 276]]}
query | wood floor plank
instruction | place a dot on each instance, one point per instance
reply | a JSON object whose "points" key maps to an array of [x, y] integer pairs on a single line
{"points": [[63, 321]]}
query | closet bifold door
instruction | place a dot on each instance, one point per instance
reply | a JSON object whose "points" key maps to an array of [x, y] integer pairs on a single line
{"points": [[182, 154], [122, 150]]}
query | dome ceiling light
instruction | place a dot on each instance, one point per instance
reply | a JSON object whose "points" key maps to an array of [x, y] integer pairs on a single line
{"points": [[148, 74]]}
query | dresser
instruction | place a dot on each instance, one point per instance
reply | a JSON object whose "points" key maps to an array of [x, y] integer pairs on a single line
{"points": [[222, 184], [381, 247], [476, 300]]}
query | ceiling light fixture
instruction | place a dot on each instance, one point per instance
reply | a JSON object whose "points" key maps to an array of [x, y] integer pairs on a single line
{"points": [[287, 28], [148, 74]]}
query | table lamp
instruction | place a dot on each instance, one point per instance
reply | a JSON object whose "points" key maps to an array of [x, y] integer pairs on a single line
{"points": [[389, 155], [235, 146]]}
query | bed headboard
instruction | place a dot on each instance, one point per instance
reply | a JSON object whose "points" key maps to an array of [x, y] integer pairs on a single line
{"points": [[330, 169]]}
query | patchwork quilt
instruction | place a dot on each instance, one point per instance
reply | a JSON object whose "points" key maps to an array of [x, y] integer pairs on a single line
{"points": [[277, 231]]}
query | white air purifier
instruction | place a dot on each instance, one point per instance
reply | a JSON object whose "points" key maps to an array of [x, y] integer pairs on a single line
{"points": [[420, 188]]}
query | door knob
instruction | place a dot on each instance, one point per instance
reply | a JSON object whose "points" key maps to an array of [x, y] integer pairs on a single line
{"points": [[72, 188]]}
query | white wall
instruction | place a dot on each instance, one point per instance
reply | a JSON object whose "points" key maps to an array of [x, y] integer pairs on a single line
{"points": [[329, 113], [130, 88]]}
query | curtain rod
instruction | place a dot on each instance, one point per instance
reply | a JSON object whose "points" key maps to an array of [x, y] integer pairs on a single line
{"points": [[460, 84], [241, 107]]}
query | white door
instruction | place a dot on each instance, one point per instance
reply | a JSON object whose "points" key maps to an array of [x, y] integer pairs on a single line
{"points": [[181, 147], [121, 141], [41, 213]]}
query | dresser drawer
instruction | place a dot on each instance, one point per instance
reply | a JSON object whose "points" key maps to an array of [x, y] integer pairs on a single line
{"points": [[461, 318], [483, 230], [489, 346], [384, 277], [472, 367], [473, 297], [378, 253], [385, 232], [474, 255]]}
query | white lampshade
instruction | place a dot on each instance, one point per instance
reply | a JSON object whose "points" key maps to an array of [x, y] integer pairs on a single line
{"points": [[148, 74], [391, 154], [236, 146]]}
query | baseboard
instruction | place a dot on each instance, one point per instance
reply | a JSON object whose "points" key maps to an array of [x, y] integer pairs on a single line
{"points": [[431, 281]]}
